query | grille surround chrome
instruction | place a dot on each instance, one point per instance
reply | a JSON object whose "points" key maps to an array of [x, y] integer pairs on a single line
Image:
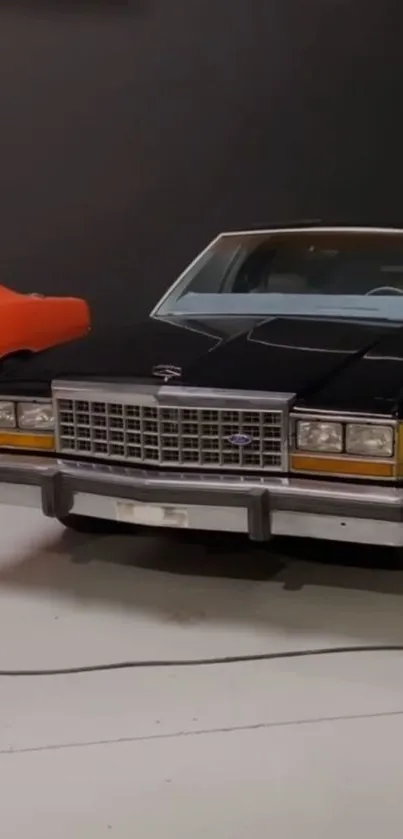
{"points": [[172, 427]]}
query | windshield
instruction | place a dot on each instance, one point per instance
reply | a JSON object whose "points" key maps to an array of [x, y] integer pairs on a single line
{"points": [[299, 274]]}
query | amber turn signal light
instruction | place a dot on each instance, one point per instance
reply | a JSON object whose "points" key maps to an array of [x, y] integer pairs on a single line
{"points": [[17, 440], [342, 466]]}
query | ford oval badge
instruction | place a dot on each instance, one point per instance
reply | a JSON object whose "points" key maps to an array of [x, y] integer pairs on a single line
{"points": [[240, 439]]}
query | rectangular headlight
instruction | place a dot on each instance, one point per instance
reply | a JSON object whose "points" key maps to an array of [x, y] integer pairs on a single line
{"points": [[369, 440], [315, 436], [35, 416], [7, 415]]}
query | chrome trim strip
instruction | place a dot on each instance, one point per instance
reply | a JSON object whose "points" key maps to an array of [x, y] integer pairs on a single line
{"points": [[14, 398], [312, 229], [129, 394], [170, 395], [344, 416], [227, 399]]}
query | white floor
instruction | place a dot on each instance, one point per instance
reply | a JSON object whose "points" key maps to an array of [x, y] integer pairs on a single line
{"points": [[294, 748]]}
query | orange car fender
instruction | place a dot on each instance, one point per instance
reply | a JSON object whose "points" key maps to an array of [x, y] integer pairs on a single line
{"points": [[35, 323]]}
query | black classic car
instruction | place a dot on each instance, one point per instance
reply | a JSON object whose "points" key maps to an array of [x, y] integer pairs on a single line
{"points": [[263, 395]]}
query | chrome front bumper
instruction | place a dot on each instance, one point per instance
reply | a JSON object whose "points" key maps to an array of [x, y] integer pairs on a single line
{"points": [[261, 508]]}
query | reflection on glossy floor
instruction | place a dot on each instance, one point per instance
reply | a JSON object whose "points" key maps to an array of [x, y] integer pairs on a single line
{"points": [[302, 747]]}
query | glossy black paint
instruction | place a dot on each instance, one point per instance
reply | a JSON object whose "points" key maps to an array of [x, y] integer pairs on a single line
{"points": [[373, 382], [118, 354], [330, 365]]}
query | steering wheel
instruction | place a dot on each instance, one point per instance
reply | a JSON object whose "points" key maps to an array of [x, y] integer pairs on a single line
{"points": [[383, 288]]}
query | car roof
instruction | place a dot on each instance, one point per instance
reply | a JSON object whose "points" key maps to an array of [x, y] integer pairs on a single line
{"points": [[314, 231]]}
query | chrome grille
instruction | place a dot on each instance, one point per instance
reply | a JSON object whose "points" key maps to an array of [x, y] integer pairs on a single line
{"points": [[171, 436]]}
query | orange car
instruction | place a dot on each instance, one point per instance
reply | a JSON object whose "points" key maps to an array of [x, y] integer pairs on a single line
{"points": [[33, 322]]}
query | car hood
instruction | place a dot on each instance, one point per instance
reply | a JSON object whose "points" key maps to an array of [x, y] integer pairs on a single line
{"points": [[121, 353], [327, 364], [332, 365]]}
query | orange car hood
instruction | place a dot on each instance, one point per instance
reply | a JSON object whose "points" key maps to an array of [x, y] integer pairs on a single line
{"points": [[30, 322]]}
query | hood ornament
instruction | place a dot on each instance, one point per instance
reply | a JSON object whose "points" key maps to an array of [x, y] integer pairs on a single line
{"points": [[166, 371]]}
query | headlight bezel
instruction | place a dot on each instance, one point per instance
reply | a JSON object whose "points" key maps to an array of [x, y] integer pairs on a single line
{"points": [[347, 423], [12, 425], [18, 426]]}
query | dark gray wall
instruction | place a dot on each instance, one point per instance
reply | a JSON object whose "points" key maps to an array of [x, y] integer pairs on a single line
{"points": [[131, 133]]}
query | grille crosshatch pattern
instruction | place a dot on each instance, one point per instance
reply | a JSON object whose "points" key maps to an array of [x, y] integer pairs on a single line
{"points": [[171, 436]]}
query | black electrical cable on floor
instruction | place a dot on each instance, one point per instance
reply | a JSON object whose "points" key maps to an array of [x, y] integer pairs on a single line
{"points": [[204, 662]]}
